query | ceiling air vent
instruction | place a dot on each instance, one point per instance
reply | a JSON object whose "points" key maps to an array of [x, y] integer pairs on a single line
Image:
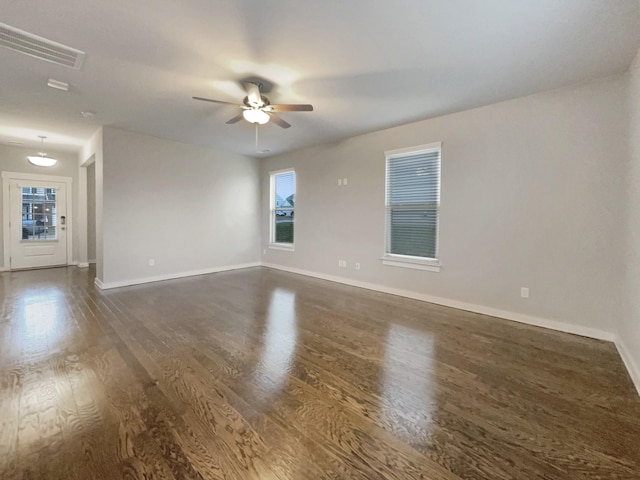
{"points": [[39, 47]]}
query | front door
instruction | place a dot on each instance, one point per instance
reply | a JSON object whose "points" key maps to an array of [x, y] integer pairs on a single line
{"points": [[38, 228]]}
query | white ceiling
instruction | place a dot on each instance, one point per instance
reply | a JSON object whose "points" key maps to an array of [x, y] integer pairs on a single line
{"points": [[363, 64]]}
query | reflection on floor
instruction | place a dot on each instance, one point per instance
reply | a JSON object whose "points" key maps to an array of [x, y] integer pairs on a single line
{"points": [[260, 374]]}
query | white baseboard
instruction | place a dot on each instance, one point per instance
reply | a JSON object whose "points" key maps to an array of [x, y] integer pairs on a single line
{"points": [[171, 276], [494, 312], [93, 260], [632, 367], [98, 283], [70, 264], [83, 264], [627, 358]]}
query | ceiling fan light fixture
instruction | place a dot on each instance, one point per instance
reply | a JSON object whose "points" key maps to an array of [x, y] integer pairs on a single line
{"points": [[257, 108], [255, 115], [41, 160]]}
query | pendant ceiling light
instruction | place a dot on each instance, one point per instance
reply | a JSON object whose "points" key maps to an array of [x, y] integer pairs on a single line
{"points": [[41, 160]]}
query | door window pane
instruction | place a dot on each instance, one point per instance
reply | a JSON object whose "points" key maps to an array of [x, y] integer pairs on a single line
{"points": [[39, 214]]}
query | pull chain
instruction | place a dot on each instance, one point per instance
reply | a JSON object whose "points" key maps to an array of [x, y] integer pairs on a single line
{"points": [[256, 137]]}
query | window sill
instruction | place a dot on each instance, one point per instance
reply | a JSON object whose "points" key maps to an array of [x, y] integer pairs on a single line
{"points": [[415, 263], [281, 246]]}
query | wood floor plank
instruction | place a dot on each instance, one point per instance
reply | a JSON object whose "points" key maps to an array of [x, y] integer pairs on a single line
{"points": [[176, 374], [260, 374]]}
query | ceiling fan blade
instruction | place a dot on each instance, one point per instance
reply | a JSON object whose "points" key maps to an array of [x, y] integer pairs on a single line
{"points": [[216, 101], [253, 95], [235, 119], [278, 120], [290, 108]]}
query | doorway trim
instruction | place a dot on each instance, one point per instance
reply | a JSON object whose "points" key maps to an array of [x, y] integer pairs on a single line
{"points": [[6, 212]]}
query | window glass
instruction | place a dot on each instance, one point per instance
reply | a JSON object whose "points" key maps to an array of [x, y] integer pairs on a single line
{"points": [[39, 217], [413, 202], [283, 206]]}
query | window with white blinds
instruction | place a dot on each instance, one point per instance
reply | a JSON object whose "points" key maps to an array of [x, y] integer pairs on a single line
{"points": [[413, 202]]}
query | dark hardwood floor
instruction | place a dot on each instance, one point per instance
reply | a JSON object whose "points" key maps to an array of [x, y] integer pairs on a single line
{"points": [[258, 374]]}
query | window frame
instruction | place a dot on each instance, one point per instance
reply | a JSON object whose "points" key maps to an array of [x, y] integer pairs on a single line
{"points": [[408, 261], [290, 247]]}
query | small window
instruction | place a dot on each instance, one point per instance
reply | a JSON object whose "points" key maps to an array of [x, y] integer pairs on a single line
{"points": [[413, 206], [283, 191]]}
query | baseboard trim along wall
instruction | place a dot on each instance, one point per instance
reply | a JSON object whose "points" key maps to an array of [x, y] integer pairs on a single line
{"points": [[494, 312], [632, 367], [70, 264], [170, 276], [627, 359], [83, 264]]}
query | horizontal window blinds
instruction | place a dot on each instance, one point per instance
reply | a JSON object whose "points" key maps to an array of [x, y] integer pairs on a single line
{"points": [[413, 201]]}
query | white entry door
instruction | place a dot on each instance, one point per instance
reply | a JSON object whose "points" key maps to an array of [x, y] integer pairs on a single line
{"points": [[38, 225]]}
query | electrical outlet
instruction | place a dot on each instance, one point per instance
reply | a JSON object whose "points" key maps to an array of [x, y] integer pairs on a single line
{"points": [[152, 262], [357, 265], [339, 182], [524, 292], [344, 181]]}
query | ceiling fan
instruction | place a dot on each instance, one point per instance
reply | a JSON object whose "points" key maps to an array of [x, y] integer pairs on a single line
{"points": [[256, 108]]}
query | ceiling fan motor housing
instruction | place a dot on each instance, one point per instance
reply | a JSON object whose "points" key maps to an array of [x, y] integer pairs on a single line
{"points": [[265, 102]]}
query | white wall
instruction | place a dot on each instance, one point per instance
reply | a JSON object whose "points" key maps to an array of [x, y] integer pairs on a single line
{"points": [[629, 325], [189, 208], [14, 159], [531, 195]]}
